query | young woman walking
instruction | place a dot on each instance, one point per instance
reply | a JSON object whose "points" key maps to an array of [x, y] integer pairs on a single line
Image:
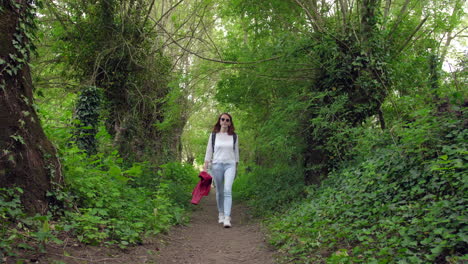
{"points": [[222, 152]]}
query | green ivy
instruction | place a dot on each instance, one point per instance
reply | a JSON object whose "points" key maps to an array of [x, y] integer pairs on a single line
{"points": [[87, 116], [403, 203], [114, 204], [19, 231], [22, 38]]}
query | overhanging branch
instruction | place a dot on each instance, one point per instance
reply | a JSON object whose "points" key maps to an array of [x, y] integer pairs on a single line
{"points": [[210, 59]]}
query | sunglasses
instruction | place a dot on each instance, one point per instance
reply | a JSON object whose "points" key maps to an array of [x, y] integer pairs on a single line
{"points": [[226, 119]]}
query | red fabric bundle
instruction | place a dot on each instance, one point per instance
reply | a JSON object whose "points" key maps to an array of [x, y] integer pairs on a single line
{"points": [[203, 187]]}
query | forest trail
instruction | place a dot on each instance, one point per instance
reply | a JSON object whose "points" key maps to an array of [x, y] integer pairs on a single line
{"points": [[202, 241]]}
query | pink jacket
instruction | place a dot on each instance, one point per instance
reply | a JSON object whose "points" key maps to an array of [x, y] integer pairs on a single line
{"points": [[203, 187]]}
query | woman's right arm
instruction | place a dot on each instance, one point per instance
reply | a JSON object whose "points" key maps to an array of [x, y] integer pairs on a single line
{"points": [[208, 154]]}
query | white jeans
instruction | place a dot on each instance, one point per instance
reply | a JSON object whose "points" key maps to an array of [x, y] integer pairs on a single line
{"points": [[224, 174]]}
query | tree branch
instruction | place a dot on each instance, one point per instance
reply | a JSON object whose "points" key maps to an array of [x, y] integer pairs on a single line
{"points": [[400, 18], [312, 19], [148, 14], [210, 59], [211, 40], [388, 4], [344, 11], [167, 12], [191, 38], [459, 32], [412, 35]]}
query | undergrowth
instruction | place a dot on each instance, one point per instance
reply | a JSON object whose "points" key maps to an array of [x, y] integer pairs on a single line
{"points": [[118, 204], [402, 199], [104, 201], [269, 190], [108, 199]]}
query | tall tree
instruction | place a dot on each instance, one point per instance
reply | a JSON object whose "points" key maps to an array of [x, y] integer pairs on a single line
{"points": [[109, 44], [27, 158]]}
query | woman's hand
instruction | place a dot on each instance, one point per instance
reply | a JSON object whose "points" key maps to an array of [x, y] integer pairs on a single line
{"points": [[205, 166], [235, 176]]}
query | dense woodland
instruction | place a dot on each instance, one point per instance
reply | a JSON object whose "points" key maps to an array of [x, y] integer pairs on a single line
{"points": [[351, 116]]}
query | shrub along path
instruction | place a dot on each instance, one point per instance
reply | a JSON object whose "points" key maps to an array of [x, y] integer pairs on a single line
{"points": [[202, 241]]}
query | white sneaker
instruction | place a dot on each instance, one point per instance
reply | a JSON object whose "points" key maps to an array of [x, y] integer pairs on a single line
{"points": [[221, 218], [227, 222]]}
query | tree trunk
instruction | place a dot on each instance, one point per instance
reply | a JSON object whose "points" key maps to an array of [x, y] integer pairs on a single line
{"points": [[27, 158]]}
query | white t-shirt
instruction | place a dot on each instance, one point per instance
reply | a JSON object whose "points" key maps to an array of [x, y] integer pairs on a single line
{"points": [[223, 149]]}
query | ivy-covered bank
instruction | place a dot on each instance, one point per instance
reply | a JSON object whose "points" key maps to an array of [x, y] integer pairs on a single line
{"points": [[402, 199], [104, 199], [105, 203]]}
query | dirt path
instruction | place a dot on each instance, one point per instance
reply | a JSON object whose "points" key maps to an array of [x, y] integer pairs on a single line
{"points": [[202, 241], [205, 241]]}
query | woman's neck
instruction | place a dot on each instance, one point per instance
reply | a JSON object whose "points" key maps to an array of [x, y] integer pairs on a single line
{"points": [[223, 130]]}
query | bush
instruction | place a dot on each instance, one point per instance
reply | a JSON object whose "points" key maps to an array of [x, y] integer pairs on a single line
{"points": [[20, 231], [113, 203], [404, 200], [269, 189]]}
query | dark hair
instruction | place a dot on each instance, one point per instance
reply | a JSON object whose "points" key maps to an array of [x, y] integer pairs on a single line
{"points": [[217, 126]]}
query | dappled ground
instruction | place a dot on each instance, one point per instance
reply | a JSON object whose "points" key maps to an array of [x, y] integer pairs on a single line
{"points": [[202, 241]]}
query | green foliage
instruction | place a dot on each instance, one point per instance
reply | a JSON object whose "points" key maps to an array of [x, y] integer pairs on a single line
{"points": [[102, 201], [20, 231], [397, 203], [180, 181], [275, 179], [10, 211], [114, 203], [87, 115], [269, 189], [44, 233], [337, 79]]}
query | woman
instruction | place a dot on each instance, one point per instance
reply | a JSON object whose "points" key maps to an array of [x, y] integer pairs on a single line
{"points": [[223, 154]]}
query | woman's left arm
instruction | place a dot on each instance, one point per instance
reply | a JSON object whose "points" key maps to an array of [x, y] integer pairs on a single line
{"points": [[236, 152]]}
